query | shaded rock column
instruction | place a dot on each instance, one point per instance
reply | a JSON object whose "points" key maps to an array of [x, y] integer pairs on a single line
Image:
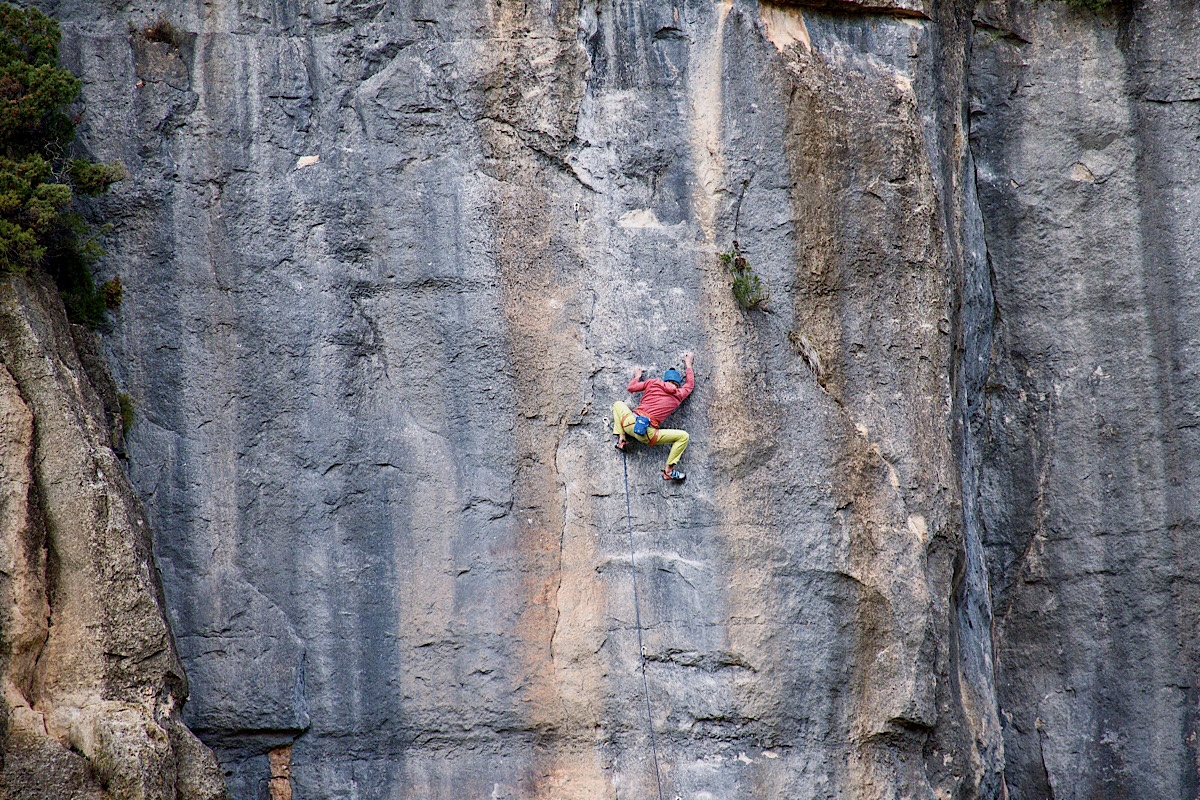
{"points": [[1087, 182]]}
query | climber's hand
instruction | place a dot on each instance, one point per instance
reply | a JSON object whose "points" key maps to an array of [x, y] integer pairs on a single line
{"points": [[687, 359], [637, 374]]}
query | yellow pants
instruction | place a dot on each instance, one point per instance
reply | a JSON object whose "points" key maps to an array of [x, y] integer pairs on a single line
{"points": [[623, 420]]}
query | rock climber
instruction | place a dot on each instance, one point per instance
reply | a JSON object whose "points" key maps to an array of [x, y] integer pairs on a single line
{"points": [[659, 399]]}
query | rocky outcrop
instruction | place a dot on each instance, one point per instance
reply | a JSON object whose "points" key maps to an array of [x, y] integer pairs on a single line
{"points": [[389, 264], [1085, 138], [92, 682]]}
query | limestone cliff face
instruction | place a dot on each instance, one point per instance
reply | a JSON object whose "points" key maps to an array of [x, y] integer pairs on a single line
{"points": [[1087, 179], [92, 681], [388, 264]]}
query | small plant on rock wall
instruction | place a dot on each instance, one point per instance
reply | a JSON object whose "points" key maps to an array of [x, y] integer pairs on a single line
{"points": [[161, 30], [747, 287], [1091, 5], [126, 403], [805, 348], [112, 292]]}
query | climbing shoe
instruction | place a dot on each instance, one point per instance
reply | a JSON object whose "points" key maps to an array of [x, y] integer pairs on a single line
{"points": [[673, 475]]}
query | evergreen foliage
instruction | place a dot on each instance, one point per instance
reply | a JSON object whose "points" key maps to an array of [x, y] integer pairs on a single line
{"points": [[747, 287], [38, 182]]}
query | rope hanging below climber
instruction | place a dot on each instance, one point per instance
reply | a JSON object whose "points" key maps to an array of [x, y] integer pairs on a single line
{"points": [[637, 615]]}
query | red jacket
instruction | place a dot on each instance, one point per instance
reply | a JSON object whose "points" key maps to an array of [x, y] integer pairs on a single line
{"points": [[660, 398]]}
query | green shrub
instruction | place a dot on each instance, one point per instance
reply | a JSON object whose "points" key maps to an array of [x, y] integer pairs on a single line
{"points": [[748, 290], [91, 178], [126, 403], [112, 292], [34, 89], [38, 182], [747, 287]]}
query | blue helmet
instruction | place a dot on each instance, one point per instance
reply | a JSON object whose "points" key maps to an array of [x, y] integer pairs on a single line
{"points": [[673, 376]]}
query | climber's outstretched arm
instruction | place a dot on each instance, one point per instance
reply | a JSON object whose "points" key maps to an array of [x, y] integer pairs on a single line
{"points": [[689, 378]]}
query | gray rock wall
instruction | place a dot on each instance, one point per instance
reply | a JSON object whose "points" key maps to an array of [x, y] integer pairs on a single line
{"points": [[388, 264], [1085, 148]]}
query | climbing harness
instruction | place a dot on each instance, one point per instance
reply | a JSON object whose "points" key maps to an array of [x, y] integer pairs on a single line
{"points": [[637, 615]]}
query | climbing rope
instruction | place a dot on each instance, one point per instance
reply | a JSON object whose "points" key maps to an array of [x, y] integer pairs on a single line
{"points": [[637, 615]]}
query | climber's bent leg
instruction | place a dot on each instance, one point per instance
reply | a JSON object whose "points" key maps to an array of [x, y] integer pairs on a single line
{"points": [[620, 412], [678, 441], [623, 421]]}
